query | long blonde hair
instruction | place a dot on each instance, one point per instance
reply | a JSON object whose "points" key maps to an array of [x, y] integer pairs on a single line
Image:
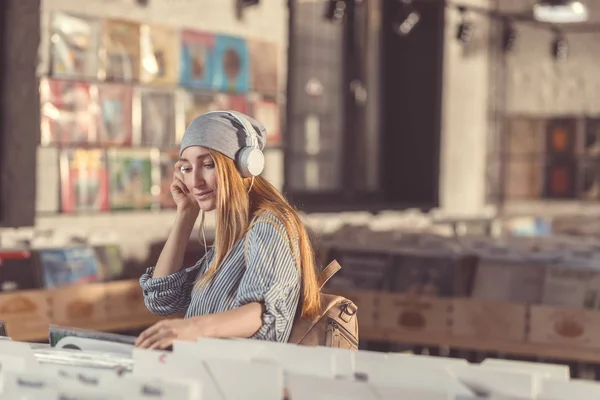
{"points": [[234, 212]]}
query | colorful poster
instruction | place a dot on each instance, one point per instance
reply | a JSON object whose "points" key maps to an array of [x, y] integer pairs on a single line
{"points": [[196, 103], [121, 50], [84, 180], [131, 183], [264, 66], [67, 113], [232, 64], [561, 137], [69, 266], [197, 48], [158, 54], [232, 102], [74, 46], [267, 113], [158, 118], [114, 117], [167, 169]]}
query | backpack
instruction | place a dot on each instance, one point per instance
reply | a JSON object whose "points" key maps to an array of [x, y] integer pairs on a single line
{"points": [[336, 326]]}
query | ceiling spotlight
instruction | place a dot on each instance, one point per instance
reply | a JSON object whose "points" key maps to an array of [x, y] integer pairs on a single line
{"points": [[335, 10], [509, 36], [560, 47], [465, 28], [407, 18], [560, 11]]}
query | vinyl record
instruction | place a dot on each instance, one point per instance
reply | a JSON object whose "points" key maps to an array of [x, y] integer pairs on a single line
{"points": [[74, 46], [232, 64]]}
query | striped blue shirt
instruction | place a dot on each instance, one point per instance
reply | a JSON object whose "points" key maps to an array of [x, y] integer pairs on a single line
{"points": [[269, 275]]}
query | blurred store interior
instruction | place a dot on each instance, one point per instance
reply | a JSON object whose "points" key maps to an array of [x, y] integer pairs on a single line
{"points": [[444, 152]]}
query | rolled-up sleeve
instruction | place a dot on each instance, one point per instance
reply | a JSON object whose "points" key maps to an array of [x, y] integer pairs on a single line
{"points": [[272, 278], [170, 294]]}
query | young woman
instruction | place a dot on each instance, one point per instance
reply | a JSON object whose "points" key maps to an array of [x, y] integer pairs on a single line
{"points": [[260, 273]]}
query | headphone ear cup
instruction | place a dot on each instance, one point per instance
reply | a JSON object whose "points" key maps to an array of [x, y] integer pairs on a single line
{"points": [[251, 162]]}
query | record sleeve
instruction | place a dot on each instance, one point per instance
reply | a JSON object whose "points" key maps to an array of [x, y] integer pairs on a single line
{"points": [[167, 168], [157, 115], [121, 50], [197, 59], [115, 114], [196, 103], [232, 102], [264, 66], [84, 180], [131, 179], [232, 64], [73, 46], [67, 113], [68, 266], [267, 112], [158, 54]]}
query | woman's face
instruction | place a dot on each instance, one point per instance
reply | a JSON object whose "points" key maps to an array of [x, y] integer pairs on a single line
{"points": [[200, 176]]}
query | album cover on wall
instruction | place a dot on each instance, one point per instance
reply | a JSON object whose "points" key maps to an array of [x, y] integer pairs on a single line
{"points": [[560, 179], [196, 103], [232, 102], [114, 118], [232, 64], [84, 180], [167, 169], [131, 179], [590, 181], [561, 137], [197, 52], [525, 137], [264, 66], [73, 46], [159, 53], [267, 112], [67, 113], [121, 49], [592, 137], [524, 179], [157, 113]]}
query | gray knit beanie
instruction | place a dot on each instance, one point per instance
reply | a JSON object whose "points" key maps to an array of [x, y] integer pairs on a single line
{"points": [[220, 131]]}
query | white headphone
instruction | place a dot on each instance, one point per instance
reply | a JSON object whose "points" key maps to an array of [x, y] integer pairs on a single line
{"points": [[250, 160]]}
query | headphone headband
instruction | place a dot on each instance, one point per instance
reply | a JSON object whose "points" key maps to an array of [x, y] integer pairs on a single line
{"points": [[248, 128], [250, 160]]}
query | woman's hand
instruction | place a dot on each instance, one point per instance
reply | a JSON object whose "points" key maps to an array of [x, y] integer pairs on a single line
{"points": [[162, 334], [184, 200]]}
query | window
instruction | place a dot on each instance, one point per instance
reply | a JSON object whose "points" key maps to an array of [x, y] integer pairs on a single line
{"points": [[363, 107]]}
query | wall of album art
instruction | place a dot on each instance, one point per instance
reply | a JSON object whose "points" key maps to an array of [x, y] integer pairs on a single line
{"points": [[556, 158], [118, 96]]}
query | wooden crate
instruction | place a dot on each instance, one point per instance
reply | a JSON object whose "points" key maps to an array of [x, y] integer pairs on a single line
{"points": [[78, 305], [564, 326], [125, 299], [489, 320], [26, 313], [399, 313]]}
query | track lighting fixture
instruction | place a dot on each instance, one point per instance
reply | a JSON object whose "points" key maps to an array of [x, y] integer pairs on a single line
{"points": [[560, 47], [407, 18], [335, 10], [509, 36], [465, 28]]}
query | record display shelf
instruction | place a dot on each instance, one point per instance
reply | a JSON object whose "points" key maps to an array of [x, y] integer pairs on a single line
{"points": [[535, 331], [457, 323], [107, 306]]}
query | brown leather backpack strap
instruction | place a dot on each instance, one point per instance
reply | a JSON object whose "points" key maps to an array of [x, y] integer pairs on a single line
{"points": [[328, 272]]}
